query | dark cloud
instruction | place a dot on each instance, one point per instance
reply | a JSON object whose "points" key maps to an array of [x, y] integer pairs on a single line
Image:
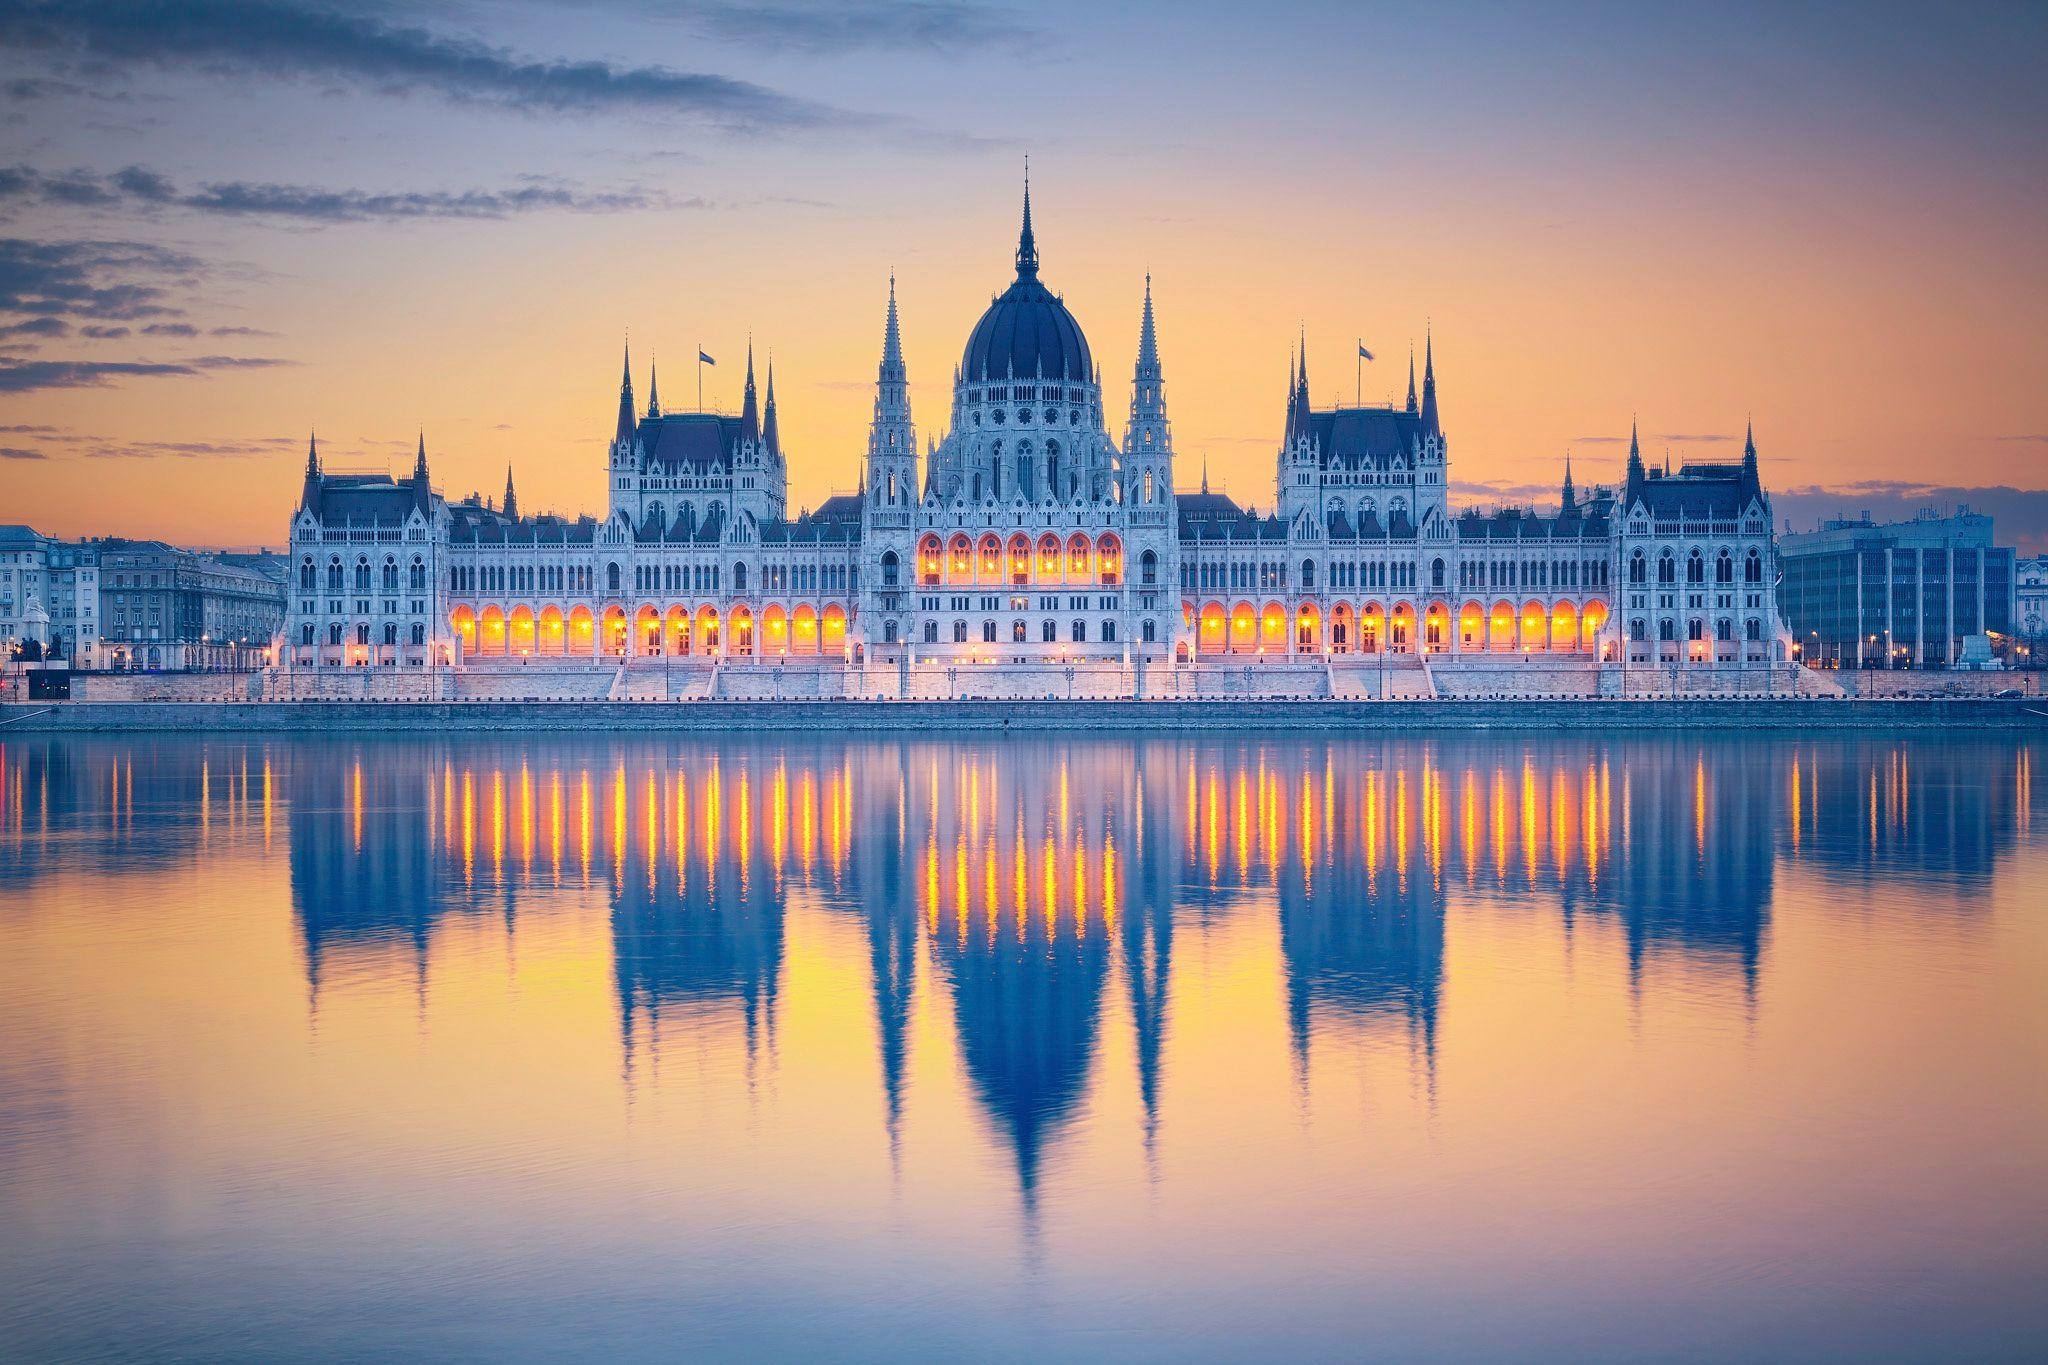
{"points": [[36, 327], [102, 333], [138, 188], [189, 450], [366, 51], [20, 453], [106, 280], [170, 329], [819, 29], [2040, 438], [30, 429], [1660, 437], [26, 376], [238, 332]]}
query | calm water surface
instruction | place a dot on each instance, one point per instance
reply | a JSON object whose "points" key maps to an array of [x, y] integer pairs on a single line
{"points": [[1520, 1045]]}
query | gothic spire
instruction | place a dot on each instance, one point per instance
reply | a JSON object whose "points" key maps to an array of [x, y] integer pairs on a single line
{"points": [[1635, 454], [1411, 376], [770, 435], [750, 410], [1749, 451], [1205, 471], [1148, 336], [653, 388], [1027, 244], [511, 497], [1429, 413], [313, 455], [892, 343], [419, 463], [1571, 499], [624, 434], [1147, 432], [309, 496]]}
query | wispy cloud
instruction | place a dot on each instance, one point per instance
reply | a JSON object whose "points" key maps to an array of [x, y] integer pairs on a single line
{"points": [[1659, 438], [365, 51], [106, 280], [19, 453], [26, 376], [136, 188], [2039, 438], [189, 450], [832, 27]]}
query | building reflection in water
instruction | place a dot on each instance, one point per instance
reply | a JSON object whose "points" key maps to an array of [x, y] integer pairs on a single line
{"points": [[1026, 884]]}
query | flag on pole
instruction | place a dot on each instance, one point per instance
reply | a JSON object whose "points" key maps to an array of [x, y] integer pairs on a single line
{"points": [[1363, 352], [703, 359]]}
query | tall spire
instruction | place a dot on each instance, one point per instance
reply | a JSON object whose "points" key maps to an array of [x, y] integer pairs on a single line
{"points": [[653, 388], [1411, 376], [750, 411], [419, 463], [309, 495], [1635, 453], [624, 435], [1027, 244], [1205, 471], [511, 497], [422, 490], [892, 440], [1749, 451], [1571, 498], [892, 343], [1147, 437], [770, 436]]}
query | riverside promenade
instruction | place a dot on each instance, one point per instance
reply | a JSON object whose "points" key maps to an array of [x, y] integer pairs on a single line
{"points": [[986, 717]]}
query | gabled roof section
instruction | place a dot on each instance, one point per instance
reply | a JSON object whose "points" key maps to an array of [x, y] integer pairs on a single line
{"points": [[1365, 438], [689, 440]]}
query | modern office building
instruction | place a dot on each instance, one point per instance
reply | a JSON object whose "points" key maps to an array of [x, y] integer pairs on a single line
{"points": [[1858, 593]]}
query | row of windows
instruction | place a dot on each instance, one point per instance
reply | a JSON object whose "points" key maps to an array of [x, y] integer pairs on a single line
{"points": [[1696, 567], [1048, 632], [386, 575], [362, 633], [1695, 629]]}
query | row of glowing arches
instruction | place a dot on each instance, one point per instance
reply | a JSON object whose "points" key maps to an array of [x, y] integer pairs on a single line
{"points": [[992, 560], [1244, 628], [773, 633]]}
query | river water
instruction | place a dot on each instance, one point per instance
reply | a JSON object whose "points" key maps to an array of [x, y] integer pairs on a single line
{"points": [[1533, 1045]]}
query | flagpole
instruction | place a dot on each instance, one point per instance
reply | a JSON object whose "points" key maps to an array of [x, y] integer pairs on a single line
{"points": [[1358, 376], [700, 376]]}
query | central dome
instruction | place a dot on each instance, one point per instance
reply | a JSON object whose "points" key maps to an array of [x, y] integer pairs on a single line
{"points": [[1027, 332]]}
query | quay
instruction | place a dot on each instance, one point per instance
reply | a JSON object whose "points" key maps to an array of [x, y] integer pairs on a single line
{"points": [[993, 717]]}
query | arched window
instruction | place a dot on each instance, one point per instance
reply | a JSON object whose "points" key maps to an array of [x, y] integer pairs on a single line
{"points": [[390, 577], [1080, 632], [419, 632], [307, 577], [889, 566], [739, 576], [1308, 574], [1724, 629], [1753, 568], [611, 577], [1667, 569], [1755, 629], [1436, 573], [363, 575], [1149, 631], [888, 632], [1635, 630], [1667, 630], [1638, 568], [1695, 569], [1724, 568], [1148, 567], [931, 632], [417, 578], [959, 632]]}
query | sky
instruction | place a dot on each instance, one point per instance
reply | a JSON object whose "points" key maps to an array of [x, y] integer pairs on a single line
{"points": [[225, 225]]}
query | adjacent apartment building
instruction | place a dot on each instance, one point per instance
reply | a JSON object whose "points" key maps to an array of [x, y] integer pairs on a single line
{"points": [[1859, 593]]}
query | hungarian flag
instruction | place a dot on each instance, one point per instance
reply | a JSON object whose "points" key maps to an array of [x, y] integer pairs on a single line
{"points": [[1363, 353], [704, 359]]}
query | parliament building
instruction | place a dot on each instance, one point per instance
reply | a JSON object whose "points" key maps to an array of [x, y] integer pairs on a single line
{"points": [[1029, 552]]}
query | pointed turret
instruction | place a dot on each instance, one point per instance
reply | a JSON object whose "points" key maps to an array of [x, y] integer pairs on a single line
{"points": [[1411, 376], [1749, 453], [892, 440], [1570, 503], [770, 435], [653, 389], [1205, 471], [309, 496], [1027, 244], [1636, 472], [750, 409], [624, 435], [1147, 442], [511, 497], [1429, 414], [422, 490], [1297, 401]]}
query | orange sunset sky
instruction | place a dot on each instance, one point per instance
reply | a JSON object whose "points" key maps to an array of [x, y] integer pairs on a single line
{"points": [[230, 224]]}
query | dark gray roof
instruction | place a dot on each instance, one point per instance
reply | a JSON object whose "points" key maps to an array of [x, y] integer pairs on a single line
{"points": [[839, 507], [363, 500], [688, 440], [1365, 437], [1027, 332], [1717, 492], [1213, 516]]}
